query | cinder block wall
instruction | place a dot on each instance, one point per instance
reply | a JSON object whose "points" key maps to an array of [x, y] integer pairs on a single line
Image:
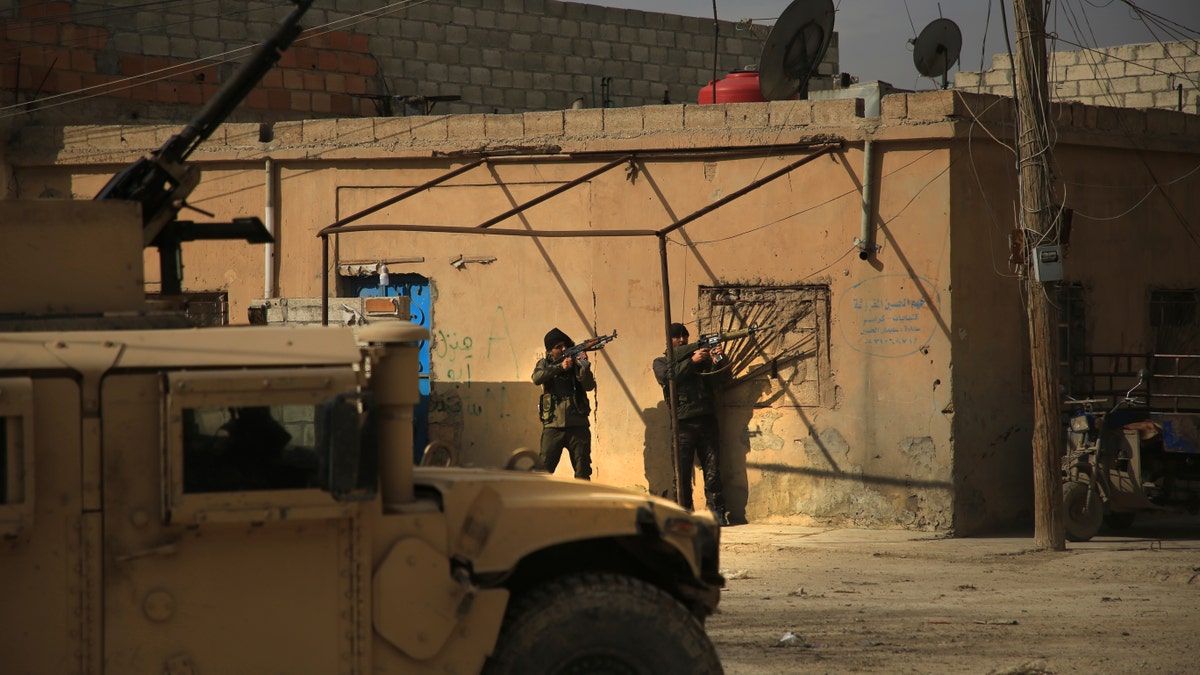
{"points": [[113, 61], [1131, 76]]}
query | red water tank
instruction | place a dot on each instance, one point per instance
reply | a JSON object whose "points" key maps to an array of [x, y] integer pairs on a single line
{"points": [[736, 87]]}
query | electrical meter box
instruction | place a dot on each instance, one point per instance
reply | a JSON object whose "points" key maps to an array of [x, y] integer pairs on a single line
{"points": [[1047, 263]]}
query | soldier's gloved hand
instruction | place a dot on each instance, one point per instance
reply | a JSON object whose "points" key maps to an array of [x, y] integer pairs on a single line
{"points": [[583, 360]]}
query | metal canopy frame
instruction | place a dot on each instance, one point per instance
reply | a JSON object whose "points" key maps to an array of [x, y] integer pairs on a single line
{"points": [[344, 225]]}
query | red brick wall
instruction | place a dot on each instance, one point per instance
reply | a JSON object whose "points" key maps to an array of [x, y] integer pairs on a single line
{"points": [[47, 57]]}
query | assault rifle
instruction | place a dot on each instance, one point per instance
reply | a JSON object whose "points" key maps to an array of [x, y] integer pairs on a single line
{"points": [[591, 345], [710, 340], [162, 182]]}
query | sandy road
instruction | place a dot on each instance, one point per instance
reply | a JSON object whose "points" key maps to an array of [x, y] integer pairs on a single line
{"points": [[909, 602]]}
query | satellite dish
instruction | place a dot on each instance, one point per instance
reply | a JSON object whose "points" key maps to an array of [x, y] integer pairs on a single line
{"points": [[794, 49], [936, 49]]}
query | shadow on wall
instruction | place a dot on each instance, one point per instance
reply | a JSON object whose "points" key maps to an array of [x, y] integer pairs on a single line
{"points": [[656, 451], [660, 477]]}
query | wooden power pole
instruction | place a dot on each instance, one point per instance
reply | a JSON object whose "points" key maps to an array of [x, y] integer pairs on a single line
{"points": [[1038, 228]]}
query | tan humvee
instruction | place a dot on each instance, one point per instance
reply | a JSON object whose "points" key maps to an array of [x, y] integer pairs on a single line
{"points": [[243, 500]]}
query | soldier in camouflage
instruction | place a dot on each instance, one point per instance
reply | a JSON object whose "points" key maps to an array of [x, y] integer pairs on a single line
{"points": [[696, 381], [564, 406]]}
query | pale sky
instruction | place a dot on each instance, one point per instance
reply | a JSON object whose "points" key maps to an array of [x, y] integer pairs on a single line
{"points": [[874, 34]]}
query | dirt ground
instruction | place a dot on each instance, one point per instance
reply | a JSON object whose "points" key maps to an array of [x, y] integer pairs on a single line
{"points": [[813, 600]]}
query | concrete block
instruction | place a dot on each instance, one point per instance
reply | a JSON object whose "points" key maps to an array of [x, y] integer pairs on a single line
{"points": [[1083, 72], [789, 113], [1149, 51], [1166, 99], [1131, 121], [1107, 118], [1158, 122], [704, 116], [1153, 83], [465, 126], [1124, 85], [617, 120], [1192, 126], [997, 78], [838, 112], [893, 106], [586, 121], [662, 117], [934, 105], [429, 127], [544, 123], [1184, 49], [967, 80], [322, 131], [747, 115], [504, 126], [237, 135], [287, 134]]}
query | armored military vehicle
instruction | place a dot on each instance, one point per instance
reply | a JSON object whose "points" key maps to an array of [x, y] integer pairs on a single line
{"points": [[243, 499]]}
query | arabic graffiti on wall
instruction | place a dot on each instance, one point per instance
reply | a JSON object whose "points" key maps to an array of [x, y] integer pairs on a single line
{"points": [[889, 315]]}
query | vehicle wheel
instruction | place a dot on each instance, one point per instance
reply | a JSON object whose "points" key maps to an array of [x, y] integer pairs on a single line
{"points": [[1082, 522], [1119, 520], [602, 623]]}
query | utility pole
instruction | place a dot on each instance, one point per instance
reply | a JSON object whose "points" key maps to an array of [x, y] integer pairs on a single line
{"points": [[1038, 227]]}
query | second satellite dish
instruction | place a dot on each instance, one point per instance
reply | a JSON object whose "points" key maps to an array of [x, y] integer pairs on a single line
{"points": [[794, 49], [936, 49]]}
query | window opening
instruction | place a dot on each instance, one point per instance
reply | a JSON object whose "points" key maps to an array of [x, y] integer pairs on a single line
{"points": [[249, 448], [1072, 343]]}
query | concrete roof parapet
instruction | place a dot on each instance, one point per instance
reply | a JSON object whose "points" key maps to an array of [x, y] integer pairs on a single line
{"points": [[287, 134], [837, 112], [585, 121], [319, 131], [622, 119], [747, 115], [701, 116], [1161, 122], [430, 128], [504, 126], [894, 107], [246, 134], [790, 113], [393, 130], [662, 117], [544, 123], [469, 125], [135, 138], [355, 130]]}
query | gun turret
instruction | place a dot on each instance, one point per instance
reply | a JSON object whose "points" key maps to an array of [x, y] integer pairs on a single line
{"points": [[710, 340], [162, 182]]}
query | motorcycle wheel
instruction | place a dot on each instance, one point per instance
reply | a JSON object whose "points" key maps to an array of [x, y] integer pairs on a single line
{"points": [[1081, 519]]}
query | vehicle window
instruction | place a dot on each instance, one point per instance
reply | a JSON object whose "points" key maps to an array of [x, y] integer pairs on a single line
{"points": [[249, 448]]}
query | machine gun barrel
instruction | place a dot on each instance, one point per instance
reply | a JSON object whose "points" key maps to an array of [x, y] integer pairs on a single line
{"points": [[162, 182]]}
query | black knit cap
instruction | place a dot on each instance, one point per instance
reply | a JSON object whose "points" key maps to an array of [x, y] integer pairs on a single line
{"points": [[556, 336], [679, 330]]}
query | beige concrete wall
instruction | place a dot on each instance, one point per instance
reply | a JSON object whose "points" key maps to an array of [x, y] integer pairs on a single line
{"points": [[1159, 75], [908, 409]]}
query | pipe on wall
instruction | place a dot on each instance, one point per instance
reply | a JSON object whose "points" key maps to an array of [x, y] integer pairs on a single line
{"points": [[269, 222], [864, 242]]}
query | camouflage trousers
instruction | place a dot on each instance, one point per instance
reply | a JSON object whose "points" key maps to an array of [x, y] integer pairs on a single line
{"points": [[577, 441]]}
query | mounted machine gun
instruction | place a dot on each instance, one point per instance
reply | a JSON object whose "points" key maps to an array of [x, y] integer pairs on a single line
{"points": [[162, 182]]}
